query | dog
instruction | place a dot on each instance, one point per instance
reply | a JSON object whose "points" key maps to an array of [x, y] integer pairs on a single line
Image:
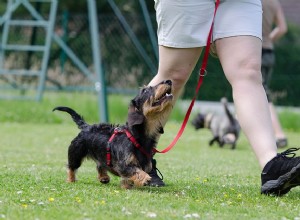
{"points": [[224, 128], [124, 150]]}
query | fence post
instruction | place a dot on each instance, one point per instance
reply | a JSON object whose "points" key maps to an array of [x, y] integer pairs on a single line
{"points": [[100, 81]]}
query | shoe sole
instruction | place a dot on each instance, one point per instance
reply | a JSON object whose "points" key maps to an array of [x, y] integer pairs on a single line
{"points": [[283, 184]]}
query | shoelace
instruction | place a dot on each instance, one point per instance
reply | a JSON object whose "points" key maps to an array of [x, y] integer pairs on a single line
{"points": [[289, 152], [161, 176]]}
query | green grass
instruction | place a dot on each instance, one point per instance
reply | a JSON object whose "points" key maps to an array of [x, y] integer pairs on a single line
{"points": [[85, 104], [290, 120], [202, 182]]}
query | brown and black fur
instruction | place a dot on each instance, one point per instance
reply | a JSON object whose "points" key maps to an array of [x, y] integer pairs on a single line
{"points": [[221, 126], [146, 111]]}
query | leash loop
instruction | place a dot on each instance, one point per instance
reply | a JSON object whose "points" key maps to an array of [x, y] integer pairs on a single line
{"points": [[202, 72]]}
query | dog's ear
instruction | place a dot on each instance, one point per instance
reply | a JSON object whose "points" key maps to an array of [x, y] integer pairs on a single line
{"points": [[135, 116]]}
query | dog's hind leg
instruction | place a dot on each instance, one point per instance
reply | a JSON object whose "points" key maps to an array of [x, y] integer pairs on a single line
{"points": [[76, 153], [71, 176], [102, 174], [233, 146], [221, 143], [211, 142]]}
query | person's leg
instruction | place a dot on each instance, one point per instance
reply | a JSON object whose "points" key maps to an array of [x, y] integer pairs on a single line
{"points": [[281, 172], [242, 69], [177, 65], [181, 33]]}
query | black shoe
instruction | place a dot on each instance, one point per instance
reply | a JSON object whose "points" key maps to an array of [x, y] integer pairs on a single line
{"points": [[155, 179], [281, 173]]}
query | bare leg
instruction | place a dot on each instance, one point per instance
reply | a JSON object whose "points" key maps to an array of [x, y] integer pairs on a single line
{"points": [[241, 61], [177, 65]]}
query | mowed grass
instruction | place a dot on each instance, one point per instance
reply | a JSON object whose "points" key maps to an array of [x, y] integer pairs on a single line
{"points": [[202, 182]]}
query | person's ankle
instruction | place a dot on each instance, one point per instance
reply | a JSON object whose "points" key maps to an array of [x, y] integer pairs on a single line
{"points": [[266, 159]]}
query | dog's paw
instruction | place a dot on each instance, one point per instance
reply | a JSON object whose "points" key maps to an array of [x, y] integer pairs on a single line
{"points": [[147, 181], [71, 176], [126, 183], [140, 178], [104, 179], [70, 180]]}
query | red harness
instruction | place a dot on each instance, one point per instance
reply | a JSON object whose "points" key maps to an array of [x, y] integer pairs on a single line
{"points": [[120, 130]]}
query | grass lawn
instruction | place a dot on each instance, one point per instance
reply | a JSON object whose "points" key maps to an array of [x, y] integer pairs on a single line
{"points": [[202, 182]]}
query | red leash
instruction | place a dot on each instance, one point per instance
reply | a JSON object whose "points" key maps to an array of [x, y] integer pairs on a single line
{"points": [[202, 73]]}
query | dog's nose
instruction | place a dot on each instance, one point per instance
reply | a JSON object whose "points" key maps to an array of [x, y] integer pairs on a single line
{"points": [[169, 82]]}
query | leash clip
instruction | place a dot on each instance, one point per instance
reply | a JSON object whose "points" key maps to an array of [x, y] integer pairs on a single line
{"points": [[202, 72], [118, 130]]}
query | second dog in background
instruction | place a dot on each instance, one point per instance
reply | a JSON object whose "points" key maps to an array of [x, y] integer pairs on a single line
{"points": [[224, 127]]}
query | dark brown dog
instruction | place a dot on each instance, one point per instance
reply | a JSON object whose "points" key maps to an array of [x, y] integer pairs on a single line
{"points": [[124, 150]]}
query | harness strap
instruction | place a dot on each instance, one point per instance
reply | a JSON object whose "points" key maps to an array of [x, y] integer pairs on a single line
{"points": [[136, 144], [202, 73], [108, 150], [119, 130]]}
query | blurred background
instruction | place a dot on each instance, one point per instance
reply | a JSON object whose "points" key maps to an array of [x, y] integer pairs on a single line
{"points": [[126, 31]]}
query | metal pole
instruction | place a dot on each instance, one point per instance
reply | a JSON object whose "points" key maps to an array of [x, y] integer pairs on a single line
{"points": [[133, 37], [149, 27], [100, 84]]}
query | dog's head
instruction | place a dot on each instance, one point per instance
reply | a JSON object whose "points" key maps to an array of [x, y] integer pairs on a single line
{"points": [[199, 121], [151, 106], [203, 120]]}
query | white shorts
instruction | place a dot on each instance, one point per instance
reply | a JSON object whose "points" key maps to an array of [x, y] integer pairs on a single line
{"points": [[186, 23]]}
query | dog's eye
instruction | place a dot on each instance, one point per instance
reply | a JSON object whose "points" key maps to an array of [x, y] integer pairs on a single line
{"points": [[144, 90]]}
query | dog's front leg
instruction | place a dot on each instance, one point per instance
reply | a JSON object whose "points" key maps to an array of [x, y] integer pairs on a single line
{"points": [[140, 178], [126, 183]]}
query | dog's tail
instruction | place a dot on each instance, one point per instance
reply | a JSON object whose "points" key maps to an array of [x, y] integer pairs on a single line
{"points": [[76, 117], [228, 113]]}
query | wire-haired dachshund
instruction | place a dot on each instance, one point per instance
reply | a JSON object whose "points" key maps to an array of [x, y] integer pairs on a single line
{"points": [[224, 127], [124, 150]]}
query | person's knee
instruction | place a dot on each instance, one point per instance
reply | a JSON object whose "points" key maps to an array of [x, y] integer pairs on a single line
{"points": [[247, 71], [179, 77]]}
